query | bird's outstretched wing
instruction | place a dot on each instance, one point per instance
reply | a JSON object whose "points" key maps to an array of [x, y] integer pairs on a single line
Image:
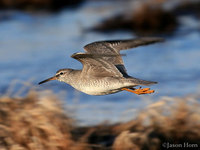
{"points": [[114, 47], [94, 65]]}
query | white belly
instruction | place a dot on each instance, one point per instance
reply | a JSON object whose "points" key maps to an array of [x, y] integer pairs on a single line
{"points": [[99, 87], [99, 90]]}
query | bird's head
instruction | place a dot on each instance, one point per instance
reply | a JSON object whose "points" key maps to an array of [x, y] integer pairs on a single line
{"points": [[61, 75]]}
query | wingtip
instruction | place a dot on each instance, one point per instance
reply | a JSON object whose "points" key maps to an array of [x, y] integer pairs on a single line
{"points": [[155, 39]]}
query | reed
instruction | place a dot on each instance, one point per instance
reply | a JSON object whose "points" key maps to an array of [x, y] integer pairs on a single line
{"points": [[34, 123]]}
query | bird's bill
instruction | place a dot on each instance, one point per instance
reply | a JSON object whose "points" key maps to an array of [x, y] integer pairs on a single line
{"points": [[49, 79]]}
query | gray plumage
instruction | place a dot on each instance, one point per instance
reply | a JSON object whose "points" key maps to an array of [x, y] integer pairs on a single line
{"points": [[103, 68]]}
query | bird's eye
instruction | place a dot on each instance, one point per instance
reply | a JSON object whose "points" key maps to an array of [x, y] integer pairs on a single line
{"points": [[61, 73]]}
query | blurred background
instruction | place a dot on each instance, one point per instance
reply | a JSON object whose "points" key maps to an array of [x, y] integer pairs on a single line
{"points": [[37, 38]]}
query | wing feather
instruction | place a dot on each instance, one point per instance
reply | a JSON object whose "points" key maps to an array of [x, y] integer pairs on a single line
{"points": [[94, 65], [114, 47]]}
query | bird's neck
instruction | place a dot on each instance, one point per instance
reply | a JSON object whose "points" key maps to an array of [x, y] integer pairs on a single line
{"points": [[73, 76]]}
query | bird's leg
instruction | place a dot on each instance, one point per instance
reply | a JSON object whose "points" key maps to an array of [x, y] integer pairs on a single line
{"points": [[139, 91]]}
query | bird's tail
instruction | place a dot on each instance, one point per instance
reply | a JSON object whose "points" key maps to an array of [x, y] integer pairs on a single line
{"points": [[137, 81]]}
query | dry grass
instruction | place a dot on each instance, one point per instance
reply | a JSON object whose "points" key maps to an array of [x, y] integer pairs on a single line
{"points": [[34, 123], [171, 120], [40, 123]]}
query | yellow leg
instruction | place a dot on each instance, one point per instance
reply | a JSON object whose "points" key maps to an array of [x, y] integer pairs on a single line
{"points": [[140, 91]]}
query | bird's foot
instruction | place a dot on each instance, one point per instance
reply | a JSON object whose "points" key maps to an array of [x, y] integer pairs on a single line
{"points": [[139, 91]]}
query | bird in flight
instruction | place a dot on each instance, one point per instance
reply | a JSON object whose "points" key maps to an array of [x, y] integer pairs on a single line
{"points": [[103, 69]]}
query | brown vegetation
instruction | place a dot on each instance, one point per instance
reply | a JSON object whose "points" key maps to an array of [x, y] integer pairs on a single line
{"points": [[34, 123], [171, 120], [146, 20], [149, 18], [40, 122]]}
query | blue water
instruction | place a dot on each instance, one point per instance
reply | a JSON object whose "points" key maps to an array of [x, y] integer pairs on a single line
{"points": [[33, 46]]}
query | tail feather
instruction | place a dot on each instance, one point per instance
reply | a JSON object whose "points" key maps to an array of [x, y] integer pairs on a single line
{"points": [[142, 82]]}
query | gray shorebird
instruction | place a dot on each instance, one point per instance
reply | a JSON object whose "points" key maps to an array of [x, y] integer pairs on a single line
{"points": [[103, 69]]}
